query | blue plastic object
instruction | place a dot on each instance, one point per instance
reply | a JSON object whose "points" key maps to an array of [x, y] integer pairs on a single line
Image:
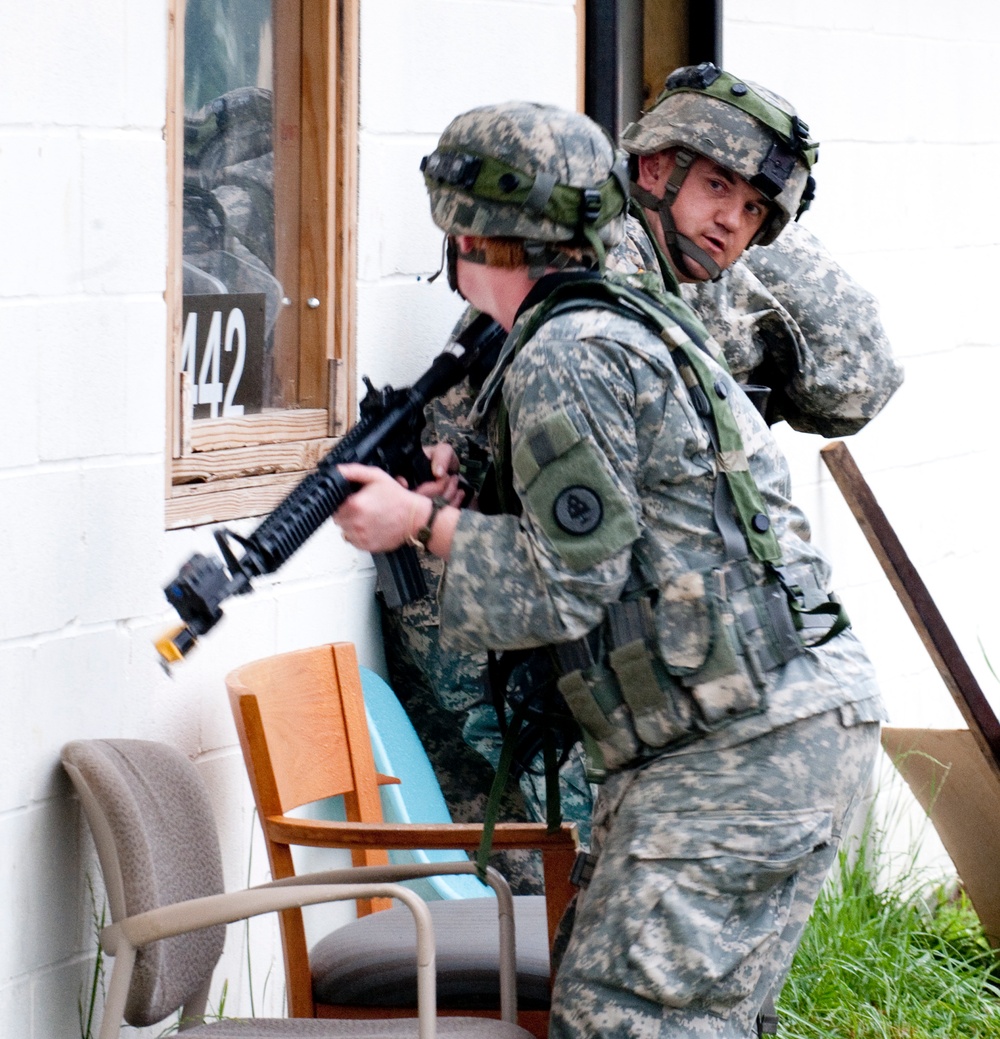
{"points": [[417, 797]]}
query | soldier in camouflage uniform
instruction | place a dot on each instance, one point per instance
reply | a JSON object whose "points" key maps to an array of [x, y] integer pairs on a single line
{"points": [[648, 538], [786, 314], [787, 317]]}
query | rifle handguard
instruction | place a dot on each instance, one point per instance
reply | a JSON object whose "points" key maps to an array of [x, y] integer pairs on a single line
{"points": [[386, 435]]}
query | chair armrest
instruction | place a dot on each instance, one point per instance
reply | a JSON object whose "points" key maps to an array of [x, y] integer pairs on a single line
{"points": [[181, 917], [322, 833], [123, 938], [558, 848], [393, 874]]}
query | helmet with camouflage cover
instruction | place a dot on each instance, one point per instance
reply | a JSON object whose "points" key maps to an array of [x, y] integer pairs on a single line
{"points": [[532, 172], [743, 127]]}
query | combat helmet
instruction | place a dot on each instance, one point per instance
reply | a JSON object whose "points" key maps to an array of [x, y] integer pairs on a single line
{"points": [[528, 171], [741, 126]]}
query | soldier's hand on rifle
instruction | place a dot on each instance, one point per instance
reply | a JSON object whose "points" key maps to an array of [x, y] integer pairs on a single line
{"points": [[383, 514], [444, 465]]}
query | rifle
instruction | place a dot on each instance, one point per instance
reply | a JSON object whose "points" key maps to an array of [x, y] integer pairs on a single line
{"points": [[387, 434]]}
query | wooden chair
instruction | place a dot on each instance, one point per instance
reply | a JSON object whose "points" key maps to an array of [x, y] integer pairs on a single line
{"points": [[302, 726]]}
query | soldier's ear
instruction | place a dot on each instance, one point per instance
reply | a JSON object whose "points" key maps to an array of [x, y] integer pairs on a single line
{"points": [[654, 170]]}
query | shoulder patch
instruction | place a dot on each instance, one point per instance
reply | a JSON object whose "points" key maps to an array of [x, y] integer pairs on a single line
{"points": [[565, 483]]}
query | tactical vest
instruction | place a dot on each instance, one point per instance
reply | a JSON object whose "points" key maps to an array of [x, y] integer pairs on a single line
{"points": [[629, 702]]}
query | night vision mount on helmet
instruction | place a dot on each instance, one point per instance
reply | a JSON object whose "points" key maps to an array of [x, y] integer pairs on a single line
{"points": [[744, 128], [532, 172]]}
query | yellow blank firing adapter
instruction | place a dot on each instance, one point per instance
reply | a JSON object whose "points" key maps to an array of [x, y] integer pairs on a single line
{"points": [[175, 645]]}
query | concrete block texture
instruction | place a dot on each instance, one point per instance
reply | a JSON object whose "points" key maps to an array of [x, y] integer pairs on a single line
{"points": [[396, 234], [900, 82], [122, 505], [439, 58], [19, 353], [17, 669], [16, 1009], [42, 525], [100, 377], [402, 326], [41, 212], [56, 995], [922, 18], [43, 894], [64, 64], [99, 701], [124, 213]]}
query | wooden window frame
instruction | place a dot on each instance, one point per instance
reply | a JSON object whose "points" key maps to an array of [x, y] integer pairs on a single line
{"points": [[230, 468]]}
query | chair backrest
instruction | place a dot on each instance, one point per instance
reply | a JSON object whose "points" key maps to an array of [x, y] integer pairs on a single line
{"points": [[302, 726], [417, 798], [310, 717], [157, 843], [315, 726], [301, 721]]}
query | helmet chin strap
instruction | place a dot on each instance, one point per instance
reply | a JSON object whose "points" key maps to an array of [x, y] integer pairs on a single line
{"points": [[449, 263], [678, 246]]}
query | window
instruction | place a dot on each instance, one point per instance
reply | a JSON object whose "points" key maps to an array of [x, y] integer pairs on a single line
{"points": [[261, 144]]}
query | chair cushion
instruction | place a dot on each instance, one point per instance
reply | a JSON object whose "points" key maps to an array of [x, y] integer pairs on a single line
{"points": [[372, 962]]}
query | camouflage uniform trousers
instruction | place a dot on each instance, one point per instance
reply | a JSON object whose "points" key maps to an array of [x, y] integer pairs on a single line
{"points": [[709, 862]]}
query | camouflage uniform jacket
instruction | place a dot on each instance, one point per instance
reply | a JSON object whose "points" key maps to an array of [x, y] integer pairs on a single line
{"points": [[603, 393], [789, 317]]}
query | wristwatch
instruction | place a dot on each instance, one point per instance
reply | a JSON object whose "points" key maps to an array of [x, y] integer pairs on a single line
{"points": [[423, 535]]}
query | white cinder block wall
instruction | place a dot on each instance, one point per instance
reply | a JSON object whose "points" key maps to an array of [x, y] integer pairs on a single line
{"points": [[82, 342], [83, 212], [898, 96]]}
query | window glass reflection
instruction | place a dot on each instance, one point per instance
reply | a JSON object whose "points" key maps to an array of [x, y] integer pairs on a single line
{"points": [[229, 205]]}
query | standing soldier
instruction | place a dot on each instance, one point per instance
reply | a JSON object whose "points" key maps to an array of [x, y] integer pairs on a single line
{"points": [[786, 316], [647, 538]]}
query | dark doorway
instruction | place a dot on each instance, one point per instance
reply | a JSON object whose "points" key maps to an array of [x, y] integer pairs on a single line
{"points": [[632, 45]]}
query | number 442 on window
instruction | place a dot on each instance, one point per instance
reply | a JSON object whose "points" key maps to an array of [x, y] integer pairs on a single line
{"points": [[223, 353]]}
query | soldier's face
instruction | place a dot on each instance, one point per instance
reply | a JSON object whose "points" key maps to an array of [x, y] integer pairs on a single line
{"points": [[718, 210]]}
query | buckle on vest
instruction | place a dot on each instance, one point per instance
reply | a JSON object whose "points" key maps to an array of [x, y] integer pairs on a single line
{"points": [[583, 869], [591, 208]]}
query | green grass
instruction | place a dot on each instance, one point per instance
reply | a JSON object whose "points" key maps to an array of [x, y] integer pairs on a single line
{"points": [[87, 1001], [890, 959]]}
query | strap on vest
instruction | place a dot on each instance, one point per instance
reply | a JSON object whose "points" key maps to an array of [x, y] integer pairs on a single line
{"points": [[553, 806]]}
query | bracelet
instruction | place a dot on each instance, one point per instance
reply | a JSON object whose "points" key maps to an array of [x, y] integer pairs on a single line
{"points": [[423, 535]]}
